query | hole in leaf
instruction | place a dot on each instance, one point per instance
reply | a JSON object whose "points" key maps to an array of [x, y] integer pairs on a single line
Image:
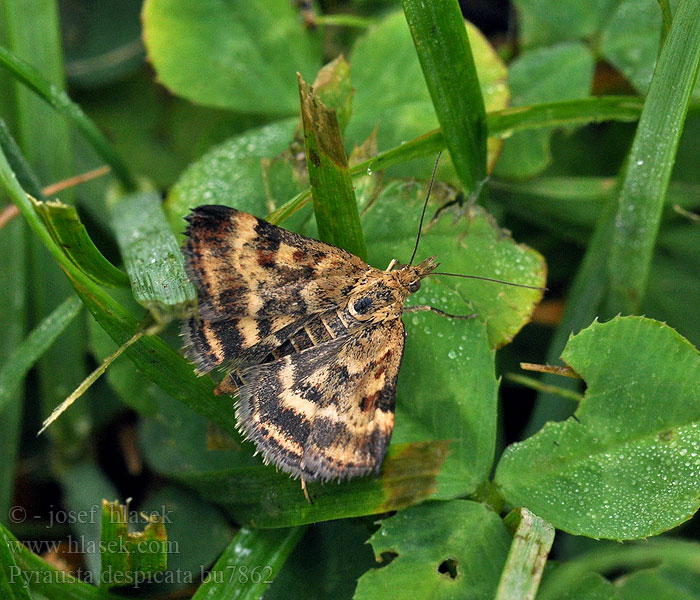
{"points": [[386, 557], [448, 567]]}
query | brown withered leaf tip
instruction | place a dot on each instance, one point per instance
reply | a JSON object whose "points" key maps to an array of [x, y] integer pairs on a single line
{"points": [[310, 335]]}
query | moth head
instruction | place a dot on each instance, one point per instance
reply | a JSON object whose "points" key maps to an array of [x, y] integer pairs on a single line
{"points": [[411, 276]]}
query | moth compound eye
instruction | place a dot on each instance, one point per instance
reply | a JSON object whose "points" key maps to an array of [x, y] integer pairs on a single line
{"points": [[414, 286], [362, 306]]}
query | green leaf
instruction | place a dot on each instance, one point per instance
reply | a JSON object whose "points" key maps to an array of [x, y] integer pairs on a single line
{"points": [[333, 86], [127, 556], [443, 550], [625, 466], [13, 583], [630, 41], [651, 160], [45, 581], [64, 105], [532, 541], [152, 256], [661, 583], [448, 365], [543, 22], [232, 174], [335, 207], [673, 554], [23, 357], [397, 100], [249, 564], [556, 73], [68, 230], [262, 497], [445, 56], [326, 563], [241, 56]]}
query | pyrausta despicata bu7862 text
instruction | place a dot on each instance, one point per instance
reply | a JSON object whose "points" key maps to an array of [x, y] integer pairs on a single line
{"points": [[311, 336]]}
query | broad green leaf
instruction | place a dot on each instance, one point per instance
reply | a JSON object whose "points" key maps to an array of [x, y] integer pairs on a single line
{"points": [[446, 59], [326, 563], [556, 73], [626, 465], [448, 365], [630, 40], [453, 549], [587, 586], [671, 555], [190, 550], [397, 101], [661, 583], [233, 174], [248, 565], [152, 255], [650, 162], [241, 56], [543, 22]]}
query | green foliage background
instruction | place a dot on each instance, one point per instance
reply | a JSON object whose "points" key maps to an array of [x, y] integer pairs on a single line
{"points": [[569, 158]]}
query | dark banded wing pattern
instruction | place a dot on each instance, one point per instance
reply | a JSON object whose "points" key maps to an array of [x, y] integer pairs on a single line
{"points": [[326, 412], [243, 266]]}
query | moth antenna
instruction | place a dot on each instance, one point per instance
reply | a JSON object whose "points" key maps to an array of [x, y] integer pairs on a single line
{"points": [[521, 285], [425, 206]]}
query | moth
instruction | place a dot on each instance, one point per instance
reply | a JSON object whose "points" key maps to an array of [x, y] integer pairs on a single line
{"points": [[311, 337]]}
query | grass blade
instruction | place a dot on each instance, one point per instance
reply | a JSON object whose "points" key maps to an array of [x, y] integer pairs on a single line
{"points": [[532, 540], [441, 41], [651, 160], [70, 233], [335, 207], [17, 365], [152, 256], [249, 564], [33, 79]]}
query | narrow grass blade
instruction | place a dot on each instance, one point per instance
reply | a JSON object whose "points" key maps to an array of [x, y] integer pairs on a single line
{"points": [[13, 583], [70, 233], [152, 256], [33, 33], [335, 207], [532, 540], [651, 160], [440, 37], [88, 381], [249, 564], [61, 102], [13, 317], [17, 365]]}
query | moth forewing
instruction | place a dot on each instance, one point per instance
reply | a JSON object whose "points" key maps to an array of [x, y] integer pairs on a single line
{"points": [[311, 338]]}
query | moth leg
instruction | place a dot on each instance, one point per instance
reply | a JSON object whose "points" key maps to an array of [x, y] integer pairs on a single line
{"points": [[306, 491], [437, 311]]}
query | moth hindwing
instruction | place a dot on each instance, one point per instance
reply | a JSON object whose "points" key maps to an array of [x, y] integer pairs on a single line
{"points": [[310, 336]]}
